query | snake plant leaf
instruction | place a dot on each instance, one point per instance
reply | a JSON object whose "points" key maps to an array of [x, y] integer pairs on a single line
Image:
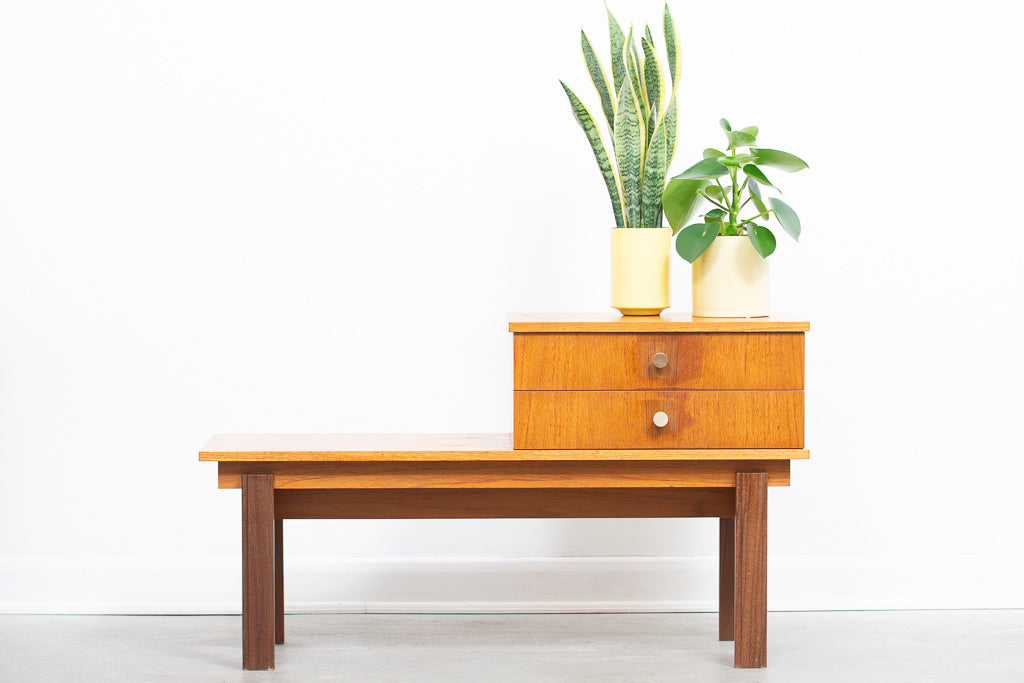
{"points": [[671, 130], [634, 74], [599, 79], [647, 35], [675, 64], [712, 153], [655, 169], [618, 40], [779, 159], [630, 144], [725, 125], [703, 170], [680, 201], [604, 162], [762, 238], [652, 75], [694, 240], [758, 175], [787, 217]]}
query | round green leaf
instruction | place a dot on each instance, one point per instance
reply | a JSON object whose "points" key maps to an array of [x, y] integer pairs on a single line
{"points": [[778, 159], [750, 130], [754, 188], [715, 192], [703, 170], [712, 153], [729, 161], [725, 125], [762, 210], [680, 200], [787, 218], [762, 239], [694, 240], [740, 139], [756, 173], [714, 215]]}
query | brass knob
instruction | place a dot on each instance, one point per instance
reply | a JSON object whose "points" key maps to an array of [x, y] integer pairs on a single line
{"points": [[660, 360], [660, 419]]}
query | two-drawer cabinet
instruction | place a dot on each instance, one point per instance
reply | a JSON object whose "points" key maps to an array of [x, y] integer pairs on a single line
{"points": [[634, 389]]}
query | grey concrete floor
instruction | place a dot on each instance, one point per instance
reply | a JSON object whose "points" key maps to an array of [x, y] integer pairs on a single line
{"points": [[929, 646]]}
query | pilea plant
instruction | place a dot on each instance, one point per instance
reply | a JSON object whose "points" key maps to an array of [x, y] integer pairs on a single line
{"points": [[641, 116], [702, 183]]}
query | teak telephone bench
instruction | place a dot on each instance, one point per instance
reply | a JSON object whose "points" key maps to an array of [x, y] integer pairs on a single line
{"points": [[652, 416]]}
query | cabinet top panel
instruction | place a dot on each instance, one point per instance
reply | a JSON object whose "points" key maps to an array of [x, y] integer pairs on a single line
{"points": [[666, 322]]}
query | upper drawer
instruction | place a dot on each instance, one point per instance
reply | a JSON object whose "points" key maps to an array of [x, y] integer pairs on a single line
{"points": [[616, 361]]}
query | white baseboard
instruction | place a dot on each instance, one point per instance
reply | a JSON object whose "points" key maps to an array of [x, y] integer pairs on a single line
{"points": [[508, 585]]}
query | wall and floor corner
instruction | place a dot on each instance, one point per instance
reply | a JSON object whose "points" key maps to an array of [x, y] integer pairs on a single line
{"points": [[225, 218]]}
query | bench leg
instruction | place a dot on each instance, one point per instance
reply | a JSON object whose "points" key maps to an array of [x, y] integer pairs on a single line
{"points": [[751, 570], [278, 580], [257, 572], [726, 577]]}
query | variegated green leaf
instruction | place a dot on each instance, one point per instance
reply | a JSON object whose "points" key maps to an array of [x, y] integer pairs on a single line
{"points": [[630, 143], [604, 162], [647, 34], [599, 79], [671, 130], [675, 63], [652, 77], [618, 40], [634, 72], [653, 186]]}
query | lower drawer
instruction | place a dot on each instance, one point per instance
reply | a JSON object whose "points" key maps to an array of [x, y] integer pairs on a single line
{"points": [[626, 419]]}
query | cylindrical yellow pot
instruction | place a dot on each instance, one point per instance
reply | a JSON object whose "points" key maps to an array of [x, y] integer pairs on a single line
{"points": [[730, 280], [640, 267]]}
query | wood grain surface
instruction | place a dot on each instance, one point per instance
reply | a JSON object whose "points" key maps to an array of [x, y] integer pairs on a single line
{"points": [[278, 577], [440, 448], [666, 322], [497, 475], [586, 362], [726, 578], [257, 572], [503, 503], [751, 570], [623, 419]]}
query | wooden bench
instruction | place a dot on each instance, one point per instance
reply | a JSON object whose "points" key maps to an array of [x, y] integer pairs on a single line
{"points": [[434, 476]]}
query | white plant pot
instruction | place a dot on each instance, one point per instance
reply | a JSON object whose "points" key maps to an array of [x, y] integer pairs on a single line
{"points": [[730, 280], [640, 270]]}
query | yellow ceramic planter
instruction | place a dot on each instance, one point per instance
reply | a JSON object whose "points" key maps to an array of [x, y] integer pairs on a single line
{"points": [[640, 268], [730, 280]]}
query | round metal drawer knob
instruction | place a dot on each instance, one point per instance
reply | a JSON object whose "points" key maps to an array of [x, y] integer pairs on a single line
{"points": [[660, 419], [660, 360]]}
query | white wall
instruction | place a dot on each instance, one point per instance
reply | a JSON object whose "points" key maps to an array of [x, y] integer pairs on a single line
{"points": [[312, 217]]}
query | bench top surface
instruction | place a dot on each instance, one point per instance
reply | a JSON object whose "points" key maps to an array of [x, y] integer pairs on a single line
{"points": [[440, 447], [666, 322]]}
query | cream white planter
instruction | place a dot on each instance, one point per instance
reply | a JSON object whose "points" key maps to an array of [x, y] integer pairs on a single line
{"points": [[640, 268], [730, 280]]}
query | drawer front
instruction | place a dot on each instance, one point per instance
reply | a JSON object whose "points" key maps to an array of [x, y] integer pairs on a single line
{"points": [[618, 361], [625, 419]]}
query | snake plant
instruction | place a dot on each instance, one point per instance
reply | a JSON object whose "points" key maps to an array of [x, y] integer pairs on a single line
{"points": [[641, 115]]}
